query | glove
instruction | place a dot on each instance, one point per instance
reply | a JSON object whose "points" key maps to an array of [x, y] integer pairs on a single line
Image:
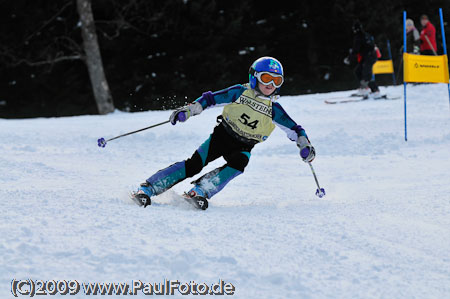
{"points": [[307, 151], [347, 60], [183, 113]]}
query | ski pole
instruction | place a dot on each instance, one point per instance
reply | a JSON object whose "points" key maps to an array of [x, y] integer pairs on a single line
{"points": [[431, 46], [320, 191], [102, 142]]}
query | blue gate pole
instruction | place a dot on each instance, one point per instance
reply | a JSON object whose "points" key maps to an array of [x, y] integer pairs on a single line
{"points": [[404, 82], [390, 57], [444, 44]]}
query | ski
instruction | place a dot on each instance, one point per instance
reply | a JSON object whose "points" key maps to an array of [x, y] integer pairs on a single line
{"points": [[198, 202], [138, 199], [349, 100], [353, 95], [344, 101]]}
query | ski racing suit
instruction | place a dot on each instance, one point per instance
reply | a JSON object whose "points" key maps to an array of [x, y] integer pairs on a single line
{"points": [[247, 119]]}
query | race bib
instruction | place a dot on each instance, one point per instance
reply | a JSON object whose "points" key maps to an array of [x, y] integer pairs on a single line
{"points": [[250, 116]]}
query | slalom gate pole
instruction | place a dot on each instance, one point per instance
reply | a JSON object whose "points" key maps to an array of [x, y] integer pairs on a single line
{"points": [[320, 192], [390, 57], [404, 82], [444, 45], [400, 65], [102, 142]]}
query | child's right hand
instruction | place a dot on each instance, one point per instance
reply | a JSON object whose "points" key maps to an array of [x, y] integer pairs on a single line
{"points": [[183, 113]]}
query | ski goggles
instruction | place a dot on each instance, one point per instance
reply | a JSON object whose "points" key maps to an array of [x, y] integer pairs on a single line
{"points": [[267, 78]]}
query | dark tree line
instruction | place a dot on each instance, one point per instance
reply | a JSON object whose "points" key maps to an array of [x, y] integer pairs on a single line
{"points": [[161, 54]]}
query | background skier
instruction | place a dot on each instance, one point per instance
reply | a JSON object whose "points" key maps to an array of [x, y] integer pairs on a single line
{"points": [[248, 118], [363, 51]]}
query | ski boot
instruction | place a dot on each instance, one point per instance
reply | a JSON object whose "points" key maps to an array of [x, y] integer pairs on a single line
{"points": [[362, 92], [142, 196], [197, 197], [375, 95]]}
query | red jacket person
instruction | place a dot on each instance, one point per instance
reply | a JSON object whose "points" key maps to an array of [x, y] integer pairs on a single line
{"points": [[428, 37]]}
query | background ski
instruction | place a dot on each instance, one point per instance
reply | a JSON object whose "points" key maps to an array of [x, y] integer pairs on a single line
{"points": [[353, 95], [352, 99]]}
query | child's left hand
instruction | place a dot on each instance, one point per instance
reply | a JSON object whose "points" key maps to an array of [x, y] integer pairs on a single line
{"points": [[307, 151]]}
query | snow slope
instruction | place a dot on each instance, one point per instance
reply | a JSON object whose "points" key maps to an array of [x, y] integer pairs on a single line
{"points": [[382, 231]]}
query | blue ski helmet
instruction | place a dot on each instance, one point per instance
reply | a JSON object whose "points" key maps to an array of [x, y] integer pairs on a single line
{"points": [[264, 64]]}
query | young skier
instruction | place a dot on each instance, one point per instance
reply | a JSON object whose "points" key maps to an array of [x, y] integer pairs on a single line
{"points": [[248, 118]]}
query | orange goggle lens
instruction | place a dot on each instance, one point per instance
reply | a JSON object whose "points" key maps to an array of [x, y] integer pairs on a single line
{"points": [[267, 78]]}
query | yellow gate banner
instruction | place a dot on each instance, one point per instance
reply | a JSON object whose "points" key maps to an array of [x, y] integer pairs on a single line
{"points": [[424, 68], [383, 67]]}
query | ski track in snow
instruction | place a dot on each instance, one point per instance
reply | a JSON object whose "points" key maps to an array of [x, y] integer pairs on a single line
{"points": [[382, 231]]}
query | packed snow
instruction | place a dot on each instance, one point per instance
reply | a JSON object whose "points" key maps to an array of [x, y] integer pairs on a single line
{"points": [[382, 230]]}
